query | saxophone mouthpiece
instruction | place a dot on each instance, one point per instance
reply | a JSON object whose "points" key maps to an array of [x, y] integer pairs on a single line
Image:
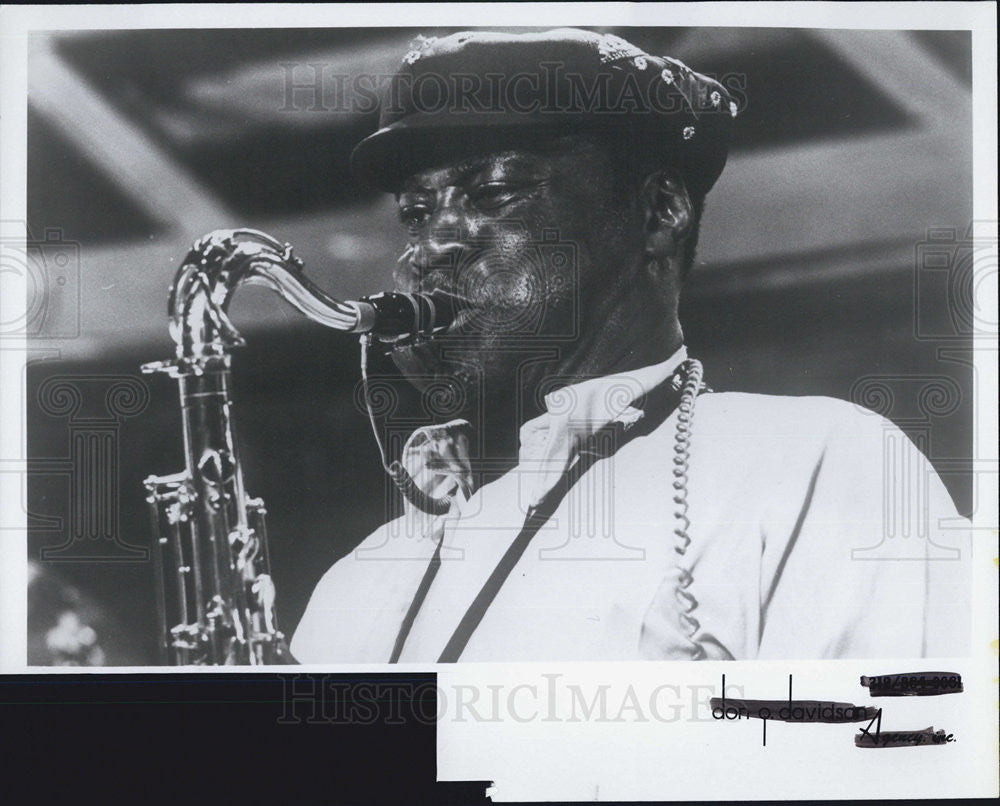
{"points": [[395, 316]]}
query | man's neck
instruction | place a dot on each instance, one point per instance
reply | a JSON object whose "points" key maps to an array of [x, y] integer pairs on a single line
{"points": [[503, 411]]}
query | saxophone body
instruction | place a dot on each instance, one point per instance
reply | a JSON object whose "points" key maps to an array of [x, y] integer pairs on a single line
{"points": [[215, 597]]}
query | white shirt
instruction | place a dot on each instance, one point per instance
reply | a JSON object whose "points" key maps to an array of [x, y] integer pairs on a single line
{"points": [[796, 549]]}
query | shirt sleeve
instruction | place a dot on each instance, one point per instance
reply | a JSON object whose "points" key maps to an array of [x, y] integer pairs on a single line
{"points": [[876, 561]]}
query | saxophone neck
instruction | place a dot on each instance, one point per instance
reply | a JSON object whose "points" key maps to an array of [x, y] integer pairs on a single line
{"points": [[216, 266]]}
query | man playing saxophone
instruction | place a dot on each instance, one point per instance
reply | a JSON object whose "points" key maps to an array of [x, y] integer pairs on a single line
{"points": [[606, 504]]}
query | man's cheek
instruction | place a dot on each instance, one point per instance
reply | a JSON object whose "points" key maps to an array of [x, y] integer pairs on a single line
{"points": [[502, 286], [507, 309], [405, 279]]}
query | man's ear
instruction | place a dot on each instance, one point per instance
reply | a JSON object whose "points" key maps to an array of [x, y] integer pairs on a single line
{"points": [[668, 214]]}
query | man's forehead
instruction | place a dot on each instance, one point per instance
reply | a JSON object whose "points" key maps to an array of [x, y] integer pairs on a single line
{"points": [[462, 170], [543, 155]]}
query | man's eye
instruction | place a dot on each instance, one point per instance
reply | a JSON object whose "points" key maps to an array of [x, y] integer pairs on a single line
{"points": [[492, 195], [413, 215]]}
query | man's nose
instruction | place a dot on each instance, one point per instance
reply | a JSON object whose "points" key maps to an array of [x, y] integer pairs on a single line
{"points": [[433, 264], [436, 256]]}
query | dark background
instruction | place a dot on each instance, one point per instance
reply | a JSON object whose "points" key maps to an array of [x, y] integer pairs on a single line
{"points": [[811, 276], [167, 739]]}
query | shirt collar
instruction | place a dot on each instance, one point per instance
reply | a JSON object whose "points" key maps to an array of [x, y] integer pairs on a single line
{"points": [[548, 443]]}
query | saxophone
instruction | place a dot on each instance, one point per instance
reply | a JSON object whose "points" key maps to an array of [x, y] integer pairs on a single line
{"points": [[215, 596]]}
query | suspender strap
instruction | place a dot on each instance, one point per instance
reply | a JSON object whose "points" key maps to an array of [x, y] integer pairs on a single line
{"points": [[418, 600], [536, 520]]}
